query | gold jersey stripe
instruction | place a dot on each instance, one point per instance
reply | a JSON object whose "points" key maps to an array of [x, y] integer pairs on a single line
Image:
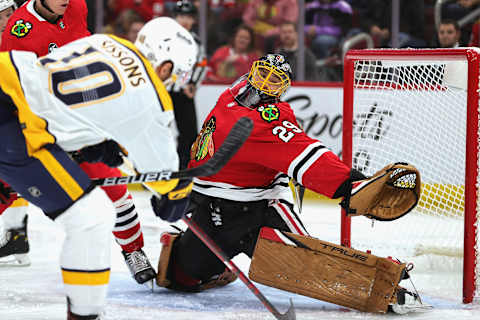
{"points": [[20, 202], [163, 95], [86, 278], [58, 172], [35, 131]]}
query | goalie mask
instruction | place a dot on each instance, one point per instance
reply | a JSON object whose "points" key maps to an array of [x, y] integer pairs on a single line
{"points": [[266, 82], [164, 40]]}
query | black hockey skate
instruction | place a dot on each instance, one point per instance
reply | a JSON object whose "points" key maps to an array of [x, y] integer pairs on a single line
{"points": [[139, 266], [73, 316], [14, 246]]}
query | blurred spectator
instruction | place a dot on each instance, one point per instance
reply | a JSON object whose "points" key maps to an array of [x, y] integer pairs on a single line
{"points": [[326, 23], [147, 9], [122, 25], [456, 11], [448, 34], [228, 15], [377, 21], [134, 28], [289, 48], [475, 35], [233, 60], [264, 17]]}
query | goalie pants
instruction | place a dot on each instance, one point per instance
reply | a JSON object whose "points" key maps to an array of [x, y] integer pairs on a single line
{"points": [[233, 225], [47, 177]]}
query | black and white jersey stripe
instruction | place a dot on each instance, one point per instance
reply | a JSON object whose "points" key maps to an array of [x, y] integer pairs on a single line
{"points": [[278, 188], [305, 159]]}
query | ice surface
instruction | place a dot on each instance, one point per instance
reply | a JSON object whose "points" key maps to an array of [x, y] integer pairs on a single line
{"points": [[35, 292]]}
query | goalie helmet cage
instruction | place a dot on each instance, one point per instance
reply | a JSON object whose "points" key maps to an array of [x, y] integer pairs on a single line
{"points": [[418, 106]]}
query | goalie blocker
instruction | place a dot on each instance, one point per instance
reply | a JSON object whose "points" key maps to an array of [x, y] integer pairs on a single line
{"points": [[325, 271]]}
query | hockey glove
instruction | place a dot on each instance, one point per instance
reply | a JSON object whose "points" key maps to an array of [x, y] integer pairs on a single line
{"points": [[107, 152], [171, 207], [388, 195]]}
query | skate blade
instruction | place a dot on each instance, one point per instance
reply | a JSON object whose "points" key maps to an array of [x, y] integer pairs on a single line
{"points": [[17, 260], [149, 284], [413, 308], [421, 308]]}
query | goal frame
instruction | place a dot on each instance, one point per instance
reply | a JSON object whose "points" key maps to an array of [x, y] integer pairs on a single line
{"points": [[472, 56]]}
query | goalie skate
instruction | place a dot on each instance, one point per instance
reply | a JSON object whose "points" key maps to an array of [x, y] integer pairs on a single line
{"points": [[14, 247], [219, 280], [408, 302], [139, 266], [167, 239]]}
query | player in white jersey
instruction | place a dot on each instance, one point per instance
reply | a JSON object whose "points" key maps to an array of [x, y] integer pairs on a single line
{"points": [[91, 95]]}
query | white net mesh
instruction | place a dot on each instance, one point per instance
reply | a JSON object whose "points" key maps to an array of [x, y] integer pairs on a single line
{"points": [[413, 112]]}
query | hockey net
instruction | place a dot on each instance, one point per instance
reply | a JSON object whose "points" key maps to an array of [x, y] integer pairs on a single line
{"points": [[421, 107]]}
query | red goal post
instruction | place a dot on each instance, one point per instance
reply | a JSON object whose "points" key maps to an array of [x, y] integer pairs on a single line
{"points": [[418, 106]]}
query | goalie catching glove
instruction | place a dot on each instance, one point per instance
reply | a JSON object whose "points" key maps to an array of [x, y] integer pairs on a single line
{"points": [[388, 195], [171, 206]]}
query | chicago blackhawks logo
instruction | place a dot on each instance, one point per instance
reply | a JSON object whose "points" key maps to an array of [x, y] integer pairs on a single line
{"points": [[269, 113], [204, 143], [21, 28]]}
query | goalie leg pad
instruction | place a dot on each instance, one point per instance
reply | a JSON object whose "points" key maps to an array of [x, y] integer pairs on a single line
{"points": [[324, 271], [167, 240]]}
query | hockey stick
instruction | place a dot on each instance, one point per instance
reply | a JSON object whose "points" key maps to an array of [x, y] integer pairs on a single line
{"points": [[232, 143], [289, 315], [235, 139]]}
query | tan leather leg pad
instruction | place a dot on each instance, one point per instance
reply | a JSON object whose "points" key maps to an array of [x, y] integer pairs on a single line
{"points": [[324, 271], [167, 240]]}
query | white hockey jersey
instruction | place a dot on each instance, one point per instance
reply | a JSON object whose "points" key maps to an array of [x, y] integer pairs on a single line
{"points": [[97, 88]]}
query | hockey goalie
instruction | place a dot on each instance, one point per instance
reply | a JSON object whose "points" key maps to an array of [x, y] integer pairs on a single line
{"points": [[248, 207]]}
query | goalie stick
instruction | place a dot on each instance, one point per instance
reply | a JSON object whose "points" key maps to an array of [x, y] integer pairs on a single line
{"points": [[289, 315], [232, 143]]}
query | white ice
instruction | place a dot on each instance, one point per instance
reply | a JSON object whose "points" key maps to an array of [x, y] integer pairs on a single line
{"points": [[35, 292]]}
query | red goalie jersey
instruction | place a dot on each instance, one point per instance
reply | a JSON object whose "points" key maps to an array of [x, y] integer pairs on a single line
{"points": [[276, 149], [27, 30]]}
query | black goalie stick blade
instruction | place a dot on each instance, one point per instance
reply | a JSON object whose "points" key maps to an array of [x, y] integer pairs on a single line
{"points": [[234, 141]]}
